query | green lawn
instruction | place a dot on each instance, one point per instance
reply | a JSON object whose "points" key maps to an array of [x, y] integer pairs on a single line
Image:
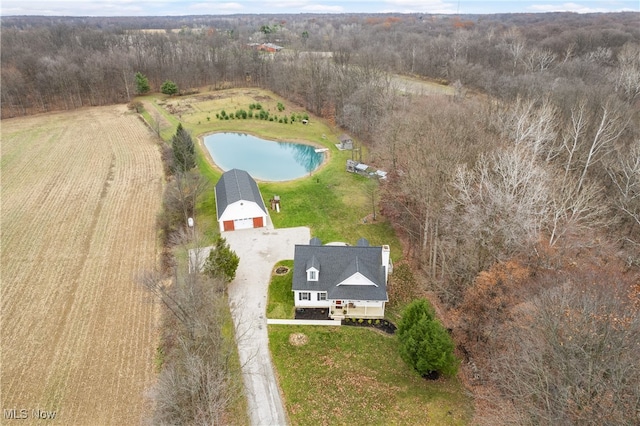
{"points": [[280, 303], [350, 375]]}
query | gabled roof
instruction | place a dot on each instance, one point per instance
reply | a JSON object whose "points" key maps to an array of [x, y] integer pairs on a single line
{"points": [[236, 185], [346, 272]]}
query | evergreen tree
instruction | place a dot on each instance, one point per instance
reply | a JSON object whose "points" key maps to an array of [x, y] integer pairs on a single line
{"points": [[169, 88], [424, 342], [142, 84], [183, 150], [222, 261]]}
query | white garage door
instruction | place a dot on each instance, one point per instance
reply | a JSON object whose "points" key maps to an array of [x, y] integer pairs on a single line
{"points": [[243, 223]]}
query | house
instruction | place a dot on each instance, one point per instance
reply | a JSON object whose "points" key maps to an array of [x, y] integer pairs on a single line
{"points": [[349, 280], [238, 202], [265, 47], [345, 142]]}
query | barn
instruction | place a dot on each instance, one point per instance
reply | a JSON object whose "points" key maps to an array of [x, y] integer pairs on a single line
{"points": [[238, 202]]}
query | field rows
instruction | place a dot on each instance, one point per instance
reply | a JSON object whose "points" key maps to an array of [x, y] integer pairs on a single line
{"points": [[80, 192]]}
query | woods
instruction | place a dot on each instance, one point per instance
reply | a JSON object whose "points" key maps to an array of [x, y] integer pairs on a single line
{"points": [[516, 195]]}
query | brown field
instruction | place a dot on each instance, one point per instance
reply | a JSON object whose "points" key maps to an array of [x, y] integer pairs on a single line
{"points": [[80, 193]]}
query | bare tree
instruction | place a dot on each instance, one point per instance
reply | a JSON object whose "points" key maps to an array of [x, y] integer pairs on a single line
{"points": [[504, 200], [571, 357], [625, 175], [184, 191], [531, 123], [195, 385], [515, 44], [575, 209], [628, 73]]}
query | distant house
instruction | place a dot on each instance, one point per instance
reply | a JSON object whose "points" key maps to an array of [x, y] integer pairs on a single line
{"points": [[238, 202], [265, 47], [349, 280], [345, 142]]}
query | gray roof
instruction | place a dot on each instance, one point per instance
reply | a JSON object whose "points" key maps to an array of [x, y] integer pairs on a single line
{"points": [[235, 185], [337, 263]]}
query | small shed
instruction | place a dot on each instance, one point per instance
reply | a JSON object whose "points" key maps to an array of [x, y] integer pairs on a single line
{"points": [[345, 142], [238, 202]]}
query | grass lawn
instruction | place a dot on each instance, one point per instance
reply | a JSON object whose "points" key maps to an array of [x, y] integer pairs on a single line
{"points": [[349, 375], [280, 303]]}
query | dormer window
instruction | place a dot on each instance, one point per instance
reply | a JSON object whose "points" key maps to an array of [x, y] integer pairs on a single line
{"points": [[312, 274], [313, 269]]}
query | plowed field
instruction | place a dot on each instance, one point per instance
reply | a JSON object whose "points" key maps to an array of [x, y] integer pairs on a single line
{"points": [[80, 193]]}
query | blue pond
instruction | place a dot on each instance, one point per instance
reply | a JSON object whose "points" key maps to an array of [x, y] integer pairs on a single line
{"points": [[263, 159]]}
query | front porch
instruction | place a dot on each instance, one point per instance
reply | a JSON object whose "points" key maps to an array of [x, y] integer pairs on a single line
{"points": [[351, 310]]}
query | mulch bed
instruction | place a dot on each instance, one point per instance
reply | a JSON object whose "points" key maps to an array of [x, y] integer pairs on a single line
{"points": [[381, 324], [312, 313]]}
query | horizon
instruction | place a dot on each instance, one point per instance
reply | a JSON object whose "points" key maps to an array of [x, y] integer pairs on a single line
{"points": [[142, 8]]}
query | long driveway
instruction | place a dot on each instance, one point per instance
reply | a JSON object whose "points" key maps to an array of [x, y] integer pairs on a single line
{"points": [[259, 250]]}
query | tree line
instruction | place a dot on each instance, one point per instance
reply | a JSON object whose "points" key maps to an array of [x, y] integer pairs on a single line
{"points": [[517, 198]]}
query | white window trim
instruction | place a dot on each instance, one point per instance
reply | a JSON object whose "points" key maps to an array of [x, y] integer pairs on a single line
{"points": [[312, 274], [324, 296]]}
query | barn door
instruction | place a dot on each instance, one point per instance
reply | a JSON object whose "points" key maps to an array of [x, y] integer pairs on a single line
{"points": [[258, 222], [228, 225]]}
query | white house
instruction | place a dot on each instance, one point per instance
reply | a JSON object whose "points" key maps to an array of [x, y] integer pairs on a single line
{"points": [[349, 280], [238, 202]]}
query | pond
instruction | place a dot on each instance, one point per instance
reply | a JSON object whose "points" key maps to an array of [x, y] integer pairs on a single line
{"points": [[262, 159]]}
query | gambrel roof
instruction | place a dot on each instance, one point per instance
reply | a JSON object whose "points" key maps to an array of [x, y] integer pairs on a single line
{"points": [[345, 272], [237, 185]]}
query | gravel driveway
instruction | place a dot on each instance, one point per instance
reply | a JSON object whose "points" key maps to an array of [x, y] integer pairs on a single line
{"points": [[259, 249]]}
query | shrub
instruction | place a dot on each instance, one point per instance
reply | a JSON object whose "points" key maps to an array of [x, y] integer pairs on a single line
{"points": [[424, 343], [222, 261], [136, 105], [280, 106], [169, 88]]}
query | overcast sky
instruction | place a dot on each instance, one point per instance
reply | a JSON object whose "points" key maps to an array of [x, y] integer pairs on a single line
{"points": [[221, 7]]}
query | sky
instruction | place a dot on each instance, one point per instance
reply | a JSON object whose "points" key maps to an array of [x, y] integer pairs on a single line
{"points": [[223, 7]]}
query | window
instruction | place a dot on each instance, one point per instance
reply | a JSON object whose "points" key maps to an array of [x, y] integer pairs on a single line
{"points": [[322, 296], [312, 274], [304, 295]]}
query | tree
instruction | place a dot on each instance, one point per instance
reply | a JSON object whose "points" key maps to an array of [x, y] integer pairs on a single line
{"points": [[196, 384], [424, 342], [572, 353], [142, 84], [183, 150], [222, 261], [169, 88], [625, 174]]}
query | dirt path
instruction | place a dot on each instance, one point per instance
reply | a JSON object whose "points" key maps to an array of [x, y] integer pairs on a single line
{"points": [[80, 193]]}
